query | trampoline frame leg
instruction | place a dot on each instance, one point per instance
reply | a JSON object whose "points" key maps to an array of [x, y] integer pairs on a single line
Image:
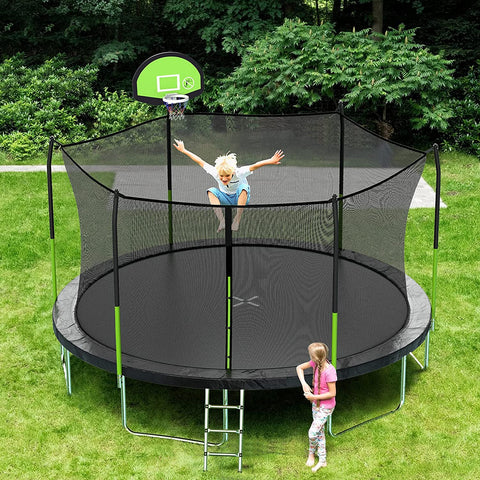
{"points": [[123, 395], [403, 378], [65, 359], [417, 361], [427, 349]]}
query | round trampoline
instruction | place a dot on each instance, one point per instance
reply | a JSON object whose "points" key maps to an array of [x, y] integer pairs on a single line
{"points": [[319, 255]]}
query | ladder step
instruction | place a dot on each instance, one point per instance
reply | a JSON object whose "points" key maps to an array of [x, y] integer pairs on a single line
{"points": [[225, 430], [220, 430], [218, 454], [226, 407]]}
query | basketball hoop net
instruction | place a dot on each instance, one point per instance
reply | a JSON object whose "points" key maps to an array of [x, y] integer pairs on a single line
{"points": [[175, 104]]}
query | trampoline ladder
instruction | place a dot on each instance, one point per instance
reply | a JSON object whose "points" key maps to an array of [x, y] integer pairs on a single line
{"points": [[225, 431]]}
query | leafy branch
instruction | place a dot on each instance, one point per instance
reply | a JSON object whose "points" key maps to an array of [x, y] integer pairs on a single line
{"points": [[296, 66]]}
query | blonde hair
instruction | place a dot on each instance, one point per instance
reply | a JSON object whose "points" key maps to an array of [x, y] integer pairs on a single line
{"points": [[226, 164], [318, 353]]}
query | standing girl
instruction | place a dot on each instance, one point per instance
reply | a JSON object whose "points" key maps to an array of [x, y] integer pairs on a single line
{"points": [[322, 399]]}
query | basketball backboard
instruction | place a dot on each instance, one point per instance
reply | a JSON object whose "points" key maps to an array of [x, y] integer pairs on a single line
{"points": [[164, 73]]}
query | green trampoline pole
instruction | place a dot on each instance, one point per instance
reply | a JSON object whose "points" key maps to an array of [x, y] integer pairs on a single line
{"points": [[51, 219], [336, 240], [64, 353], [434, 286], [436, 232], [116, 287], [334, 338], [228, 274], [435, 250]]}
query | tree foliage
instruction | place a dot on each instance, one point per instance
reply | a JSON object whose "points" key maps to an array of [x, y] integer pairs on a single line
{"points": [[297, 66], [229, 26], [52, 99], [39, 102], [448, 26], [284, 67], [464, 132], [111, 34]]}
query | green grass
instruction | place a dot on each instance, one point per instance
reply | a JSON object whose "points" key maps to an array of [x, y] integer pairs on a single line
{"points": [[46, 434]]}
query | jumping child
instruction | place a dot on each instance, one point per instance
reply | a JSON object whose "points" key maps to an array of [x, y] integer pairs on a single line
{"points": [[322, 399], [233, 188]]}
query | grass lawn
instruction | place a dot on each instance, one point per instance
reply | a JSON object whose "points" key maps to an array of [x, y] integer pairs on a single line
{"points": [[44, 434]]}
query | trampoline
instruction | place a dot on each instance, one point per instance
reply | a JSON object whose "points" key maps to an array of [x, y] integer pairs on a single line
{"points": [[272, 323], [319, 255]]}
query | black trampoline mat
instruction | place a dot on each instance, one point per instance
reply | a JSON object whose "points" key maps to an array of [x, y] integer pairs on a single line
{"points": [[173, 307], [173, 312]]}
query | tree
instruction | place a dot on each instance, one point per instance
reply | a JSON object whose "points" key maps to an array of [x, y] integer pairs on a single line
{"points": [[230, 26], [449, 26], [111, 34], [298, 66], [464, 133], [377, 16]]}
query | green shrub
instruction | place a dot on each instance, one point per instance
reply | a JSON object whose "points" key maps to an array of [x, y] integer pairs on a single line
{"points": [[54, 100], [20, 145], [464, 132], [38, 102], [299, 66], [114, 111]]}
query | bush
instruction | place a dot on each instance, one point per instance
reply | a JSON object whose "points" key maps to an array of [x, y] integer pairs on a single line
{"points": [[53, 100], [298, 66], [464, 132], [113, 111], [20, 145], [39, 102]]}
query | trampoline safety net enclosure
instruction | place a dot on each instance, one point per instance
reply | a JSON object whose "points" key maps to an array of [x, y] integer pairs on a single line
{"points": [[237, 309]]}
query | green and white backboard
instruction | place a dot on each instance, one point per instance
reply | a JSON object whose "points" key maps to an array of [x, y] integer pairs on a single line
{"points": [[167, 73]]}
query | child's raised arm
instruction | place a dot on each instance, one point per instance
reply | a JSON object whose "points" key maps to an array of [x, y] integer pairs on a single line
{"points": [[180, 146], [274, 160], [300, 373]]}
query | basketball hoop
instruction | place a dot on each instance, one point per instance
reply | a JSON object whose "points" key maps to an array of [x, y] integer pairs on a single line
{"points": [[175, 105]]}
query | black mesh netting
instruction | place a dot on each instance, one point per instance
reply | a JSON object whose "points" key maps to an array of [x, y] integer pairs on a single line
{"points": [[176, 271]]}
